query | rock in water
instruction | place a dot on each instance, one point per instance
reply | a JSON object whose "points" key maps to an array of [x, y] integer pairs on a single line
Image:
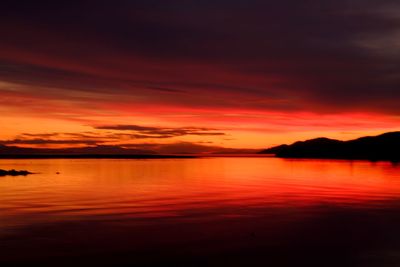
{"points": [[14, 173]]}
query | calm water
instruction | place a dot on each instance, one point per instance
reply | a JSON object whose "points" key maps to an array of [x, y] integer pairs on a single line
{"points": [[201, 212]]}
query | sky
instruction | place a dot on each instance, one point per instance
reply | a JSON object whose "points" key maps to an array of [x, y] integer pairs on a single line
{"points": [[197, 75]]}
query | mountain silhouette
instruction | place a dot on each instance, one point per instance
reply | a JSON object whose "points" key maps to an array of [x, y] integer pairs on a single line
{"points": [[382, 147]]}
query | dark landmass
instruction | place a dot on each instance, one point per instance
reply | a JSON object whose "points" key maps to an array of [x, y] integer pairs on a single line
{"points": [[97, 152], [93, 156], [381, 147], [14, 173], [180, 150]]}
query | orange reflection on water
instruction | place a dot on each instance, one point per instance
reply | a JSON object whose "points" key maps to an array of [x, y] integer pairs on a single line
{"points": [[187, 188]]}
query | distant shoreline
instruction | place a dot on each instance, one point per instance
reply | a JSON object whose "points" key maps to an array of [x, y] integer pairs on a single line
{"points": [[107, 156], [260, 155], [370, 159], [111, 156]]}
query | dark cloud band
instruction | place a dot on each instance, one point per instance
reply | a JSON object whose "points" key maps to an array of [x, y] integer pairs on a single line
{"points": [[330, 56]]}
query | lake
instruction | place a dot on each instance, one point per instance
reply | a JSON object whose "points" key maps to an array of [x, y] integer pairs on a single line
{"points": [[221, 211]]}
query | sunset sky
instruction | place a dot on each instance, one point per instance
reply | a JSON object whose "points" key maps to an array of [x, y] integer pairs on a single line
{"points": [[197, 74]]}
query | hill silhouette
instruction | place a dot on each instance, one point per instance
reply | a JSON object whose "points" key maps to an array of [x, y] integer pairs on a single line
{"points": [[381, 147]]}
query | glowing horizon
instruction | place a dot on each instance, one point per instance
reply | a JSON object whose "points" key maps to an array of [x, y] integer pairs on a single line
{"points": [[183, 74]]}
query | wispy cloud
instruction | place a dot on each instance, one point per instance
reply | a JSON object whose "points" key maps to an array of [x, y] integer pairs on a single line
{"points": [[110, 134], [37, 141], [162, 132]]}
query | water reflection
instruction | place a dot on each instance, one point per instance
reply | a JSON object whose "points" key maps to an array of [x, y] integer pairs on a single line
{"points": [[243, 207]]}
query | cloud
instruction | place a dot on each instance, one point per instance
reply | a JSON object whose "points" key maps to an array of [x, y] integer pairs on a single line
{"points": [[108, 135], [38, 141], [289, 55], [162, 132]]}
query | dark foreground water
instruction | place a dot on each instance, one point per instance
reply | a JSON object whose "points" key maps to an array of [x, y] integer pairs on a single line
{"points": [[200, 212]]}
